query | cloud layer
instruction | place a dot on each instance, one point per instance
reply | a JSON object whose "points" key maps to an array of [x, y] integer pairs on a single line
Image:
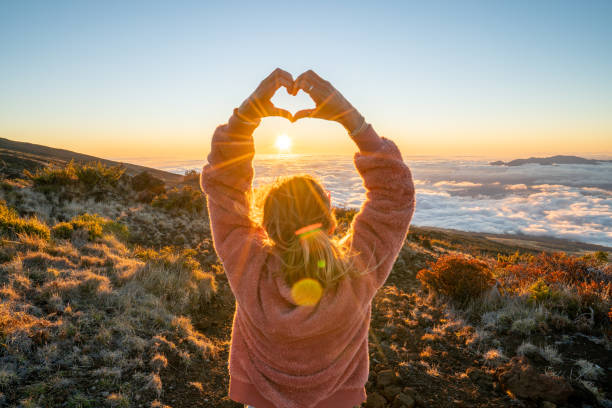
{"points": [[567, 201]]}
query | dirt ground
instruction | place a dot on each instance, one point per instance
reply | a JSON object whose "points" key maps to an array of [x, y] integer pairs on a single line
{"points": [[405, 337]]}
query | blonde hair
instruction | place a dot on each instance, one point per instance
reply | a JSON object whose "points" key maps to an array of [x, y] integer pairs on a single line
{"points": [[297, 215]]}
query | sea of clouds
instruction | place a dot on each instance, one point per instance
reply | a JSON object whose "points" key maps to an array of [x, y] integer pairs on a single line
{"points": [[566, 201]]}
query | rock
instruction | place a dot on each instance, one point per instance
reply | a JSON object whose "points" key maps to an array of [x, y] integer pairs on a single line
{"points": [[403, 401], [385, 377], [479, 377], [389, 330], [391, 391], [375, 400], [535, 357], [411, 392], [522, 379]]}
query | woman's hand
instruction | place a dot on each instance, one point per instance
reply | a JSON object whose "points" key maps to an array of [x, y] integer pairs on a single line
{"points": [[258, 105], [331, 105]]}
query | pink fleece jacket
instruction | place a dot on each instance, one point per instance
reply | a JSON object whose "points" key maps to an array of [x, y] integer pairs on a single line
{"points": [[282, 354]]}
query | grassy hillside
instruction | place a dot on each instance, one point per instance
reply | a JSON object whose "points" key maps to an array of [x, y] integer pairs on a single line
{"points": [[18, 156], [111, 295]]}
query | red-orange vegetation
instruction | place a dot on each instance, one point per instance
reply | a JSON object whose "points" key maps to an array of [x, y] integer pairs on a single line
{"points": [[557, 276], [457, 277]]}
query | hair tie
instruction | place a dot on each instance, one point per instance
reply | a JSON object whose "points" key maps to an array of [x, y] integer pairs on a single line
{"points": [[308, 230]]}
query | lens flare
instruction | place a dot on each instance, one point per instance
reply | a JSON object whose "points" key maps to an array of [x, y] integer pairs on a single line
{"points": [[306, 292]]}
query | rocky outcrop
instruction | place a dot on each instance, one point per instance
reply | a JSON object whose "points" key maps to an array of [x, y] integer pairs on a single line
{"points": [[522, 380]]}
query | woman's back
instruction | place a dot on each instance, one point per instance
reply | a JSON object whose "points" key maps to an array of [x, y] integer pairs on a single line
{"points": [[285, 353]]}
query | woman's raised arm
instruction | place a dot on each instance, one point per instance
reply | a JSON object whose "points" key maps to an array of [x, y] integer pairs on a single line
{"points": [[227, 182], [379, 229]]}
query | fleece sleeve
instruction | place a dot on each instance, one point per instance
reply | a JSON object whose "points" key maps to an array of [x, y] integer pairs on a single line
{"points": [[378, 231], [227, 182]]}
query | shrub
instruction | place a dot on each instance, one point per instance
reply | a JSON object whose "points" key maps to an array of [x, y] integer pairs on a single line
{"points": [[11, 224], [601, 256], [92, 223], [62, 230], [94, 175], [457, 277], [186, 199], [46, 177], [117, 229], [144, 181], [87, 176], [191, 176], [524, 326], [566, 284], [97, 225], [598, 257], [539, 291]]}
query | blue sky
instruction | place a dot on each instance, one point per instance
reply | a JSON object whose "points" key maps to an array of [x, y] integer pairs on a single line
{"points": [[121, 79]]}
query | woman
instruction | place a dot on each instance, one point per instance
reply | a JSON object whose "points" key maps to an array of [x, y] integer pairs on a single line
{"points": [[303, 299]]}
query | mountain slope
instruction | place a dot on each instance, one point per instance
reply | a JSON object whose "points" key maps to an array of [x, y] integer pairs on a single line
{"points": [[18, 156], [548, 161]]}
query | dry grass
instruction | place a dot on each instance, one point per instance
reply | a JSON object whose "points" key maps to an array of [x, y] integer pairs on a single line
{"points": [[550, 354], [11, 224], [93, 324], [588, 370], [494, 357], [526, 349], [176, 277]]}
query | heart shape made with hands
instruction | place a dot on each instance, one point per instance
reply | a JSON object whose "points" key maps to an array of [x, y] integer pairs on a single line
{"points": [[282, 99]]}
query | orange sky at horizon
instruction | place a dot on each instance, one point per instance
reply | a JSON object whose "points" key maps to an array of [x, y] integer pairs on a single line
{"points": [[313, 136]]}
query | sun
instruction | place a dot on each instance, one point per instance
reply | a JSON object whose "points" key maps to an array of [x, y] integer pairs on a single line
{"points": [[283, 143]]}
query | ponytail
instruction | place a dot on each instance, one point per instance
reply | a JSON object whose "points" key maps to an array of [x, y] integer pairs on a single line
{"points": [[313, 254], [298, 218]]}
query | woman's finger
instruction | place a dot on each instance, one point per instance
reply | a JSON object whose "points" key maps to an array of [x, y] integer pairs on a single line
{"points": [[284, 74], [304, 113], [275, 80], [283, 78], [323, 85], [274, 111], [314, 90], [303, 84], [306, 81]]}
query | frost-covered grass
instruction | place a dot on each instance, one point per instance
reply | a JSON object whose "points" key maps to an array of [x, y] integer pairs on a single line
{"points": [[90, 321]]}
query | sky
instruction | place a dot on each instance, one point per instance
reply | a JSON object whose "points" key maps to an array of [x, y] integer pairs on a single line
{"points": [[154, 79]]}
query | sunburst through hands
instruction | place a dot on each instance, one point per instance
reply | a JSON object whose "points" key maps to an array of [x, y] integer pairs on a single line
{"points": [[283, 143]]}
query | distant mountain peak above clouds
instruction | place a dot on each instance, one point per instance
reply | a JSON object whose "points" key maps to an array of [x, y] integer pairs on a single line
{"points": [[559, 159]]}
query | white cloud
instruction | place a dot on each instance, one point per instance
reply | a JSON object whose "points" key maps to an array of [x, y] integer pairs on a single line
{"points": [[451, 184], [569, 201]]}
